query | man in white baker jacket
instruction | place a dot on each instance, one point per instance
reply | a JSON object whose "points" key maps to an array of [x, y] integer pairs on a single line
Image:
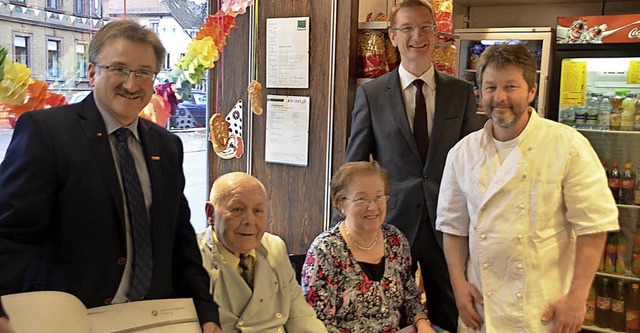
{"points": [[524, 207]]}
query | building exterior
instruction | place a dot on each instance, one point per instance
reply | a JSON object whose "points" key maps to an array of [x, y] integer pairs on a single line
{"points": [[51, 37], [175, 22]]}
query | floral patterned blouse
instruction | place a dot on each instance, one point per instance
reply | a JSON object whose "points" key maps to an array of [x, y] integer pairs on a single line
{"points": [[346, 299]]}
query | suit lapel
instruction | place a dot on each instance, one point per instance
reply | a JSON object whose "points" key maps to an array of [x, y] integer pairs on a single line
{"points": [[440, 113], [394, 99], [95, 130]]}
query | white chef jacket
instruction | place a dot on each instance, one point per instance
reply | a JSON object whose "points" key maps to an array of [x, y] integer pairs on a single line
{"points": [[522, 217]]}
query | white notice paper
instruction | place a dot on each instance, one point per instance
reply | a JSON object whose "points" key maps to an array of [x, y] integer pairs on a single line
{"points": [[287, 130], [288, 52]]}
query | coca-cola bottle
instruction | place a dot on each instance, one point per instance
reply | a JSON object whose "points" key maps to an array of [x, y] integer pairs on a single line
{"points": [[603, 305], [627, 185], [614, 182], [633, 309], [618, 314]]}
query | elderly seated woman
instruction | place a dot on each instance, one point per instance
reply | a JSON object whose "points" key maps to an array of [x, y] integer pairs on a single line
{"points": [[357, 276]]}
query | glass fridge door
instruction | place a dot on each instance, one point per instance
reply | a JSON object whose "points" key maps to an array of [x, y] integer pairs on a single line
{"points": [[472, 42], [600, 93]]}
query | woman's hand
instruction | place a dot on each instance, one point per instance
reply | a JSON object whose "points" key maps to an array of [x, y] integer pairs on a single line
{"points": [[424, 326]]}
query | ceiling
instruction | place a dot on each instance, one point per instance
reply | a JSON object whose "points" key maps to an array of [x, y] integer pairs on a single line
{"points": [[488, 3]]}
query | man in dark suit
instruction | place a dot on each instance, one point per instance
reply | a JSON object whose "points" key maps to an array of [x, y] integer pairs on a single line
{"points": [[409, 128], [91, 196]]}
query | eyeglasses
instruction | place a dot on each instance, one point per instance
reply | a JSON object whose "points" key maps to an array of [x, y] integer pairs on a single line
{"points": [[124, 72], [410, 29], [362, 201]]}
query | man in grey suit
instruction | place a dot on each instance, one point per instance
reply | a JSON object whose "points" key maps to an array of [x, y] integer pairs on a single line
{"points": [[409, 128]]}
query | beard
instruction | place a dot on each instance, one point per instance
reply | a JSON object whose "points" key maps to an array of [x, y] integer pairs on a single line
{"points": [[506, 120]]}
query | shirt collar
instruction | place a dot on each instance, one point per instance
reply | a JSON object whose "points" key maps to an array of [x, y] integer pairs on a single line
{"points": [[112, 124], [406, 78], [231, 259]]}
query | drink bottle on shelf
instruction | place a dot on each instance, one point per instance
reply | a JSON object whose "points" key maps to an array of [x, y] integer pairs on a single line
{"points": [[621, 254], [616, 109], [635, 254], [614, 182], [593, 108], [618, 314], [610, 253], [627, 116], [603, 305], [590, 314], [627, 185], [633, 309], [580, 119], [604, 113]]}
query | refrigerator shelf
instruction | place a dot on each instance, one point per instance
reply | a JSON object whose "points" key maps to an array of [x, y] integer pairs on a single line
{"points": [[627, 276]]}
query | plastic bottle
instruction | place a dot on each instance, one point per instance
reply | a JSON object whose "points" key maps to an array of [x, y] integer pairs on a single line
{"points": [[604, 113], [603, 305], [614, 182], [627, 185], [635, 254], [636, 119], [567, 115], [628, 114], [633, 309], [610, 253], [616, 109], [621, 254], [590, 315], [593, 108], [581, 115], [618, 315]]}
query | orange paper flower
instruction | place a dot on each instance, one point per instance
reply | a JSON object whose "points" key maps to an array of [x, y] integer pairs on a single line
{"points": [[218, 27]]}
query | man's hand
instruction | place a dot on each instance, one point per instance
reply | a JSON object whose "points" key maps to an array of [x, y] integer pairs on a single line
{"points": [[567, 314], [206, 328], [467, 295], [4, 325]]}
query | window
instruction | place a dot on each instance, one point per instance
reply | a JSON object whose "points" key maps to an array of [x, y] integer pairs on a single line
{"points": [[54, 4], [81, 61], [79, 7], [155, 24], [167, 61], [53, 58], [21, 50], [97, 7]]}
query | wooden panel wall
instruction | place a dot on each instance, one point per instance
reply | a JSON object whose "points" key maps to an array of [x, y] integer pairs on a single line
{"points": [[296, 194]]}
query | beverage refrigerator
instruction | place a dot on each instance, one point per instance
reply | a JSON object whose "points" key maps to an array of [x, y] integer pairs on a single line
{"points": [[595, 87], [470, 43]]}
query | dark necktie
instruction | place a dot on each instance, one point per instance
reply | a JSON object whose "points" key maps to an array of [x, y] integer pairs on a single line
{"points": [[138, 219], [420, 127], [245, 260]]}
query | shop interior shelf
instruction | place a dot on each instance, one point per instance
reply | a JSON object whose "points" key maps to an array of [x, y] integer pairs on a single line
{"points": [[627, 276], [597, 329]]}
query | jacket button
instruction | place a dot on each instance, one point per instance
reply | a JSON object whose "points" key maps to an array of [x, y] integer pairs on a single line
{"points": [[425, 177], [107, 301], [122, 261], [278, 315]]}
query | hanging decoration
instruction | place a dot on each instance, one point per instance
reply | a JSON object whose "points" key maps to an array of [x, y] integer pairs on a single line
{"points": [[226, 133]]}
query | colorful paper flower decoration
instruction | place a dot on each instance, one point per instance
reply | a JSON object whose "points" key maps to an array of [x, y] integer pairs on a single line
{"points": [[205, 48], [16, 79], [231, 7], [37, 97]]}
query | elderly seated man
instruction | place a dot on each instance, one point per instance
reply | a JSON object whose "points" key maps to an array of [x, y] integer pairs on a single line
{"points": [[251, 277]]}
